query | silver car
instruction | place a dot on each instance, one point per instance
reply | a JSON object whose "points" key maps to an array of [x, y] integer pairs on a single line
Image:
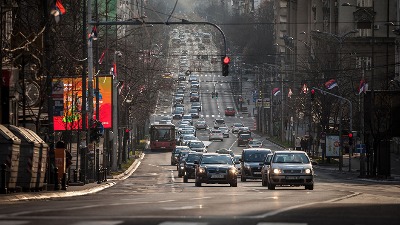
{"points": [[225, 131], [290, 168]]}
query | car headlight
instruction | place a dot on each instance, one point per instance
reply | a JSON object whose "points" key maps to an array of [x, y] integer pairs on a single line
{"points": [[277, 171], [307, 171], [202, 170], [232, 171], [182, 167]]}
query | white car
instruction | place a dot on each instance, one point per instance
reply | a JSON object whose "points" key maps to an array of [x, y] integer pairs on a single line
{"points": [[216, 135]]}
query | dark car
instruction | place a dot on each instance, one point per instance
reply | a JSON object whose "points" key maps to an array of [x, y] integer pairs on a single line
{"points": [[175, 153], [243, 139], [214, 168], [290, 168], [250, 162], [189, 166]]}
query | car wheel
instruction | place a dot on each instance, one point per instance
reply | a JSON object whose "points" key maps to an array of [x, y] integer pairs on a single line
{"points": [[309, 187], [263, 182], [185, 179], [179, 174], [270, 186], [234, 184], [197, 184], [243, 179]]}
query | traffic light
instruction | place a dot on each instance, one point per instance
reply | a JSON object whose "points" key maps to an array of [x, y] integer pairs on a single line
{"points": [[350, 139], [225, 65], [312, 94]]}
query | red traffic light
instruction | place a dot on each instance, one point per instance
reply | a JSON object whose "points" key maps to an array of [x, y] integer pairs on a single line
{"points": [[350, 135], [226, 60], [312, 91]]}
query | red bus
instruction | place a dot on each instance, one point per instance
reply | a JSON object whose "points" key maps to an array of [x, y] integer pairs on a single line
{"points": [[162, 137]]}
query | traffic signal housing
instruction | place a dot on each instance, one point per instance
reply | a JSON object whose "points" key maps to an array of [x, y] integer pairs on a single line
{"points": [[225, 65], [312, 92], [350, 139]]}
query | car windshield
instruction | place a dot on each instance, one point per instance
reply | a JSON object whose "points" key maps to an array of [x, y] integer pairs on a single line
{"points": [[196, 145], [219, 121], [254, 142], [189, 137], [255, 156], [194, 111], [238, 125], [193, 157], [216, 159], [244, 136], [291, 158]]}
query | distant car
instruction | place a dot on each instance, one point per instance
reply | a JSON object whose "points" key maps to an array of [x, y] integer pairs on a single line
{"points": [[187, 117], [236, 126], [196, 105], [201, 124], [230, 111], [197, 146], [187, 138], [250, 163], [244, 130], [216, 135], [189, 166], [194, 97], [236, 159], [194, 113], [175, 153], [219, 123], [290, 168], [214, 168], [225, 151], [225, 131], [254, 144], [243, 139]]}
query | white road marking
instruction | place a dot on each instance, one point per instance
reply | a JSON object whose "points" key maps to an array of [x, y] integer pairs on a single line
{"points": [[182, 223], [101, 222]]}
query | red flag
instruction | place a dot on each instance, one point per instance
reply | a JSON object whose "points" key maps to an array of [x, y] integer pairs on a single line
{"points": [[103, 54], [57, 10]]}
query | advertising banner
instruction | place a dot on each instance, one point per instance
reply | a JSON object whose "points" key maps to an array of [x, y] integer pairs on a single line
{"points": [[70, 116], [332, 146]]}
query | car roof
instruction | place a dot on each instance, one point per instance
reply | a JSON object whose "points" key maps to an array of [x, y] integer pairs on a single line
{"points": [[256, 149], [290, 151]]}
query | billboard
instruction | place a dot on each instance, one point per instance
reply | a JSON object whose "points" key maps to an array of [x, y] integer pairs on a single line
{"points": [[332, 146], [68, 108]]}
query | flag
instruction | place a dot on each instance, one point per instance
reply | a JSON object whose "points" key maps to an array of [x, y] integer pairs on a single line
{"points": [[93, 34], [103, 54], [363, 86], [331, 84], [276, 91], [57, 10], [290, 93], [113, 70], [304, 89]]}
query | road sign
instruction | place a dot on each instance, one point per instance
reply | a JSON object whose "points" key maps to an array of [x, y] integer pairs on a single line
{"points": [[360, 148]]}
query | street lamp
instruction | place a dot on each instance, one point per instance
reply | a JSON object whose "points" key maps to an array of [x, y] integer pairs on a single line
{"points": [[115, 111]]}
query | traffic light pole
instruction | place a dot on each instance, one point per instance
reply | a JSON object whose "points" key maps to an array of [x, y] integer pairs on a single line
{"points": [[350, 117]]}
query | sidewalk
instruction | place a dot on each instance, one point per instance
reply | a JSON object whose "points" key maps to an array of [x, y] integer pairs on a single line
{"points": [[72, 190]]}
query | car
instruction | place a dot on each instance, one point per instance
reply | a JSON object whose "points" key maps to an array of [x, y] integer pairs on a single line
{"points": [[200, 124], [243, 139], [197, 146], [290, 168], [236, 126], [250, 162], [244, 130], [187, 138], [225, 151], [189, 166], [214, 168], [219, 123], [236, 160], [196, 105], [216, 134], [175, 153], [225, 131], [254, 144], [181, 77], [187, 117], [264, 168], [194, 97], [230, 111], [181, 162], [194, 113]]}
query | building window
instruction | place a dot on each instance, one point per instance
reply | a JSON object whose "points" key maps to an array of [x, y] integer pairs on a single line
{"points": [[363, 62]]}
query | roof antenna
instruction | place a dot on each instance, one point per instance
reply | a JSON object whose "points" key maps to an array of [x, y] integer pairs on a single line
{"points": [[167, 23]]}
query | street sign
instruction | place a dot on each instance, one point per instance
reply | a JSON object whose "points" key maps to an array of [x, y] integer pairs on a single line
{"points": [[360, 148]]}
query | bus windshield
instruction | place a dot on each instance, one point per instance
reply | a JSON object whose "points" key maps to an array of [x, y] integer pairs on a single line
{"points": [[161, 134]]}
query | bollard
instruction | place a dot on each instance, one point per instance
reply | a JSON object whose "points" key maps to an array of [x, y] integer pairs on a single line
{"points": [[56, 183], [64, 182], [3, 188], [105, 174], [75, 175], [99, 175]]}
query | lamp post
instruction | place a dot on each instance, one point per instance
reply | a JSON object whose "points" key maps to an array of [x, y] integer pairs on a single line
{"points": [[115, 113]]}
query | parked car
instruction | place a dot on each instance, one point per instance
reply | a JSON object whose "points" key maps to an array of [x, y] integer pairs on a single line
{"points": [[290, 168], [230, 111], [214, 168], [225, 131], [236, 126], [216, 135], [243, 139], [250, 163], [219, 123]]}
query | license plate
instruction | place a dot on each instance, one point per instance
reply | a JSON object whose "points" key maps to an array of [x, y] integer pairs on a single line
{"points": [[292, 178], [217, 176], [257, 172]]}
